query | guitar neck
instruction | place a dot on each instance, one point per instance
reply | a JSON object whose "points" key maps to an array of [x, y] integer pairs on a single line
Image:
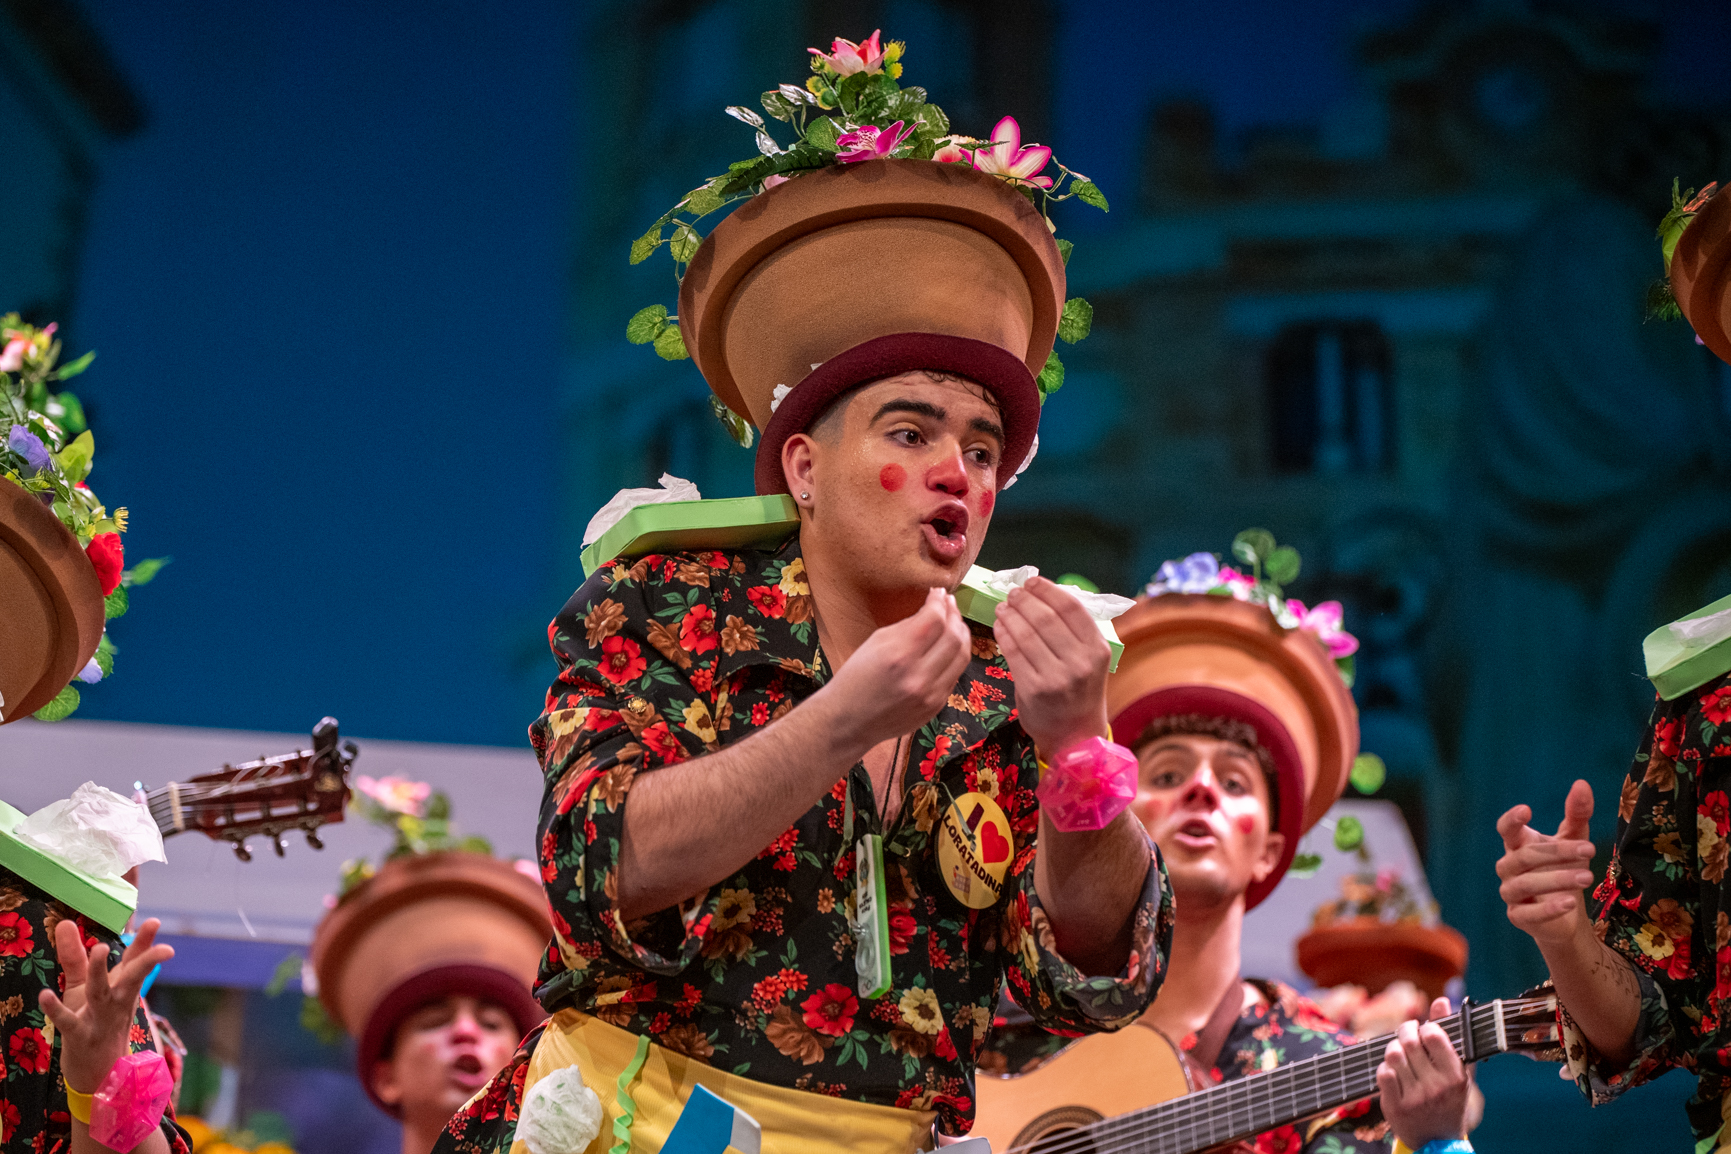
{"points": [[1244, 1107]]}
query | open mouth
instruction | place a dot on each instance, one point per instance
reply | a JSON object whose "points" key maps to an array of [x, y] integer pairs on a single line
{"points": [[946, 532], [1197, 834]]}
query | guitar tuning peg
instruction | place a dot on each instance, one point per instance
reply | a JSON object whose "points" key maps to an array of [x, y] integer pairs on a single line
{"points": [[241, 852], [313, 840], [276, 843]]}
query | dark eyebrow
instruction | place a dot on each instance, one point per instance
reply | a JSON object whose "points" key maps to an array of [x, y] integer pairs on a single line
{"points": [[927, 409]]}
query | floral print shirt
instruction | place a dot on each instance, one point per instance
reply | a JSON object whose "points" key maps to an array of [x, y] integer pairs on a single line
{"points": [[1663, 905], [667, 658], [33, 1114], [1282, 1027]]}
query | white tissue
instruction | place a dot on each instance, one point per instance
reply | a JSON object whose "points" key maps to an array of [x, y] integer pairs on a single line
{"points": [[1100, 606], [778, 395], [1703, 632], [672, 489], [96, 830], [560, 1114]]}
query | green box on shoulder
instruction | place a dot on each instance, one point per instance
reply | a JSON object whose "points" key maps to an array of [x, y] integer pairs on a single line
{"points": [[1676, 664], [678, 526], [110, 901]]}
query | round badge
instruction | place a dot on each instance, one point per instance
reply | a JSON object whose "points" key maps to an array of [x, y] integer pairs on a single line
{"points": [[974, 849]]}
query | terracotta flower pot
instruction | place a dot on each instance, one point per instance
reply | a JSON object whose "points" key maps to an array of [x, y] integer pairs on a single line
{"points": [[1701, 274], [862, 271], [1372, 953], [51, 612]]}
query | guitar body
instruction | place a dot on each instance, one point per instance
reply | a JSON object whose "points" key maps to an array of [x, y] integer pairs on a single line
{"points": [[1100, 1076]]}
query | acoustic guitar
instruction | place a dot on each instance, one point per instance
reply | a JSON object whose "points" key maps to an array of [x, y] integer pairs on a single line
{"points": [[302, 791], [1131, 1093]]}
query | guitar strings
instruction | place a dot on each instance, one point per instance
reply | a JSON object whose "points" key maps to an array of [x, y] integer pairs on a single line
{"points": [[1159, 1127]]}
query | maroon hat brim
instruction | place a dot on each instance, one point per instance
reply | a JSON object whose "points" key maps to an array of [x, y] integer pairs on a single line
{"points": [[1212, 701], [483, 983], [999, 371]]}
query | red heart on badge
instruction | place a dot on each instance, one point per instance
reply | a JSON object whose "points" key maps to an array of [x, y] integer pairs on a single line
{"points": [[994, 847]]}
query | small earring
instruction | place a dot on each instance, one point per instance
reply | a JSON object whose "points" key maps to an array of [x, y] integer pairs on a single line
{"points": [[805, 496]]}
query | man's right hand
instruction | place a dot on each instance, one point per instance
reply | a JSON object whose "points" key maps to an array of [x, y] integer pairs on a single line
{"points": [[1543, 875], [901, 676]]}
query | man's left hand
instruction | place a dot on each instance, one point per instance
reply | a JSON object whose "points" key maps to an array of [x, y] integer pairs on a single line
{"points": [[1425, 1088], [1059, 660]]}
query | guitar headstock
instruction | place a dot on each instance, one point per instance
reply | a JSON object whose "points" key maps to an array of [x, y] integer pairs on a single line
{"points": [[301, 790], [1525, 1025]]}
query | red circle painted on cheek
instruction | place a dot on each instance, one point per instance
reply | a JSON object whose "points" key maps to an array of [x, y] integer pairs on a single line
{"points": [[892, 477], [1246, 823], [988, 498]]}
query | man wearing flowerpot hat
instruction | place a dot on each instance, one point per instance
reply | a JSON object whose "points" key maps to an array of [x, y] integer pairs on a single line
{"points": [[428, 965], [1245, 734], [1642, 967], [790, 835]]}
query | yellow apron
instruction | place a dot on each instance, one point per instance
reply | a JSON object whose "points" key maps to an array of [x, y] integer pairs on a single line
{"points": [[793, 1121]]}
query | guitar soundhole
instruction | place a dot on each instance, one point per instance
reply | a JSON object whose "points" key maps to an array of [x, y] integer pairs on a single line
{"points": [[1055, 1129]]}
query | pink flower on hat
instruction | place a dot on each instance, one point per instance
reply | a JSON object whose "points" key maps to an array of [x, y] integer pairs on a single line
{"points": [[397, 794], [847, 58], [1007, 158], [869, 142], [1326, 621]]}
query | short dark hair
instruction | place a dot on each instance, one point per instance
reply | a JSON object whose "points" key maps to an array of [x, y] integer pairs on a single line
{"points": [[1239, 733], [825, 427]]}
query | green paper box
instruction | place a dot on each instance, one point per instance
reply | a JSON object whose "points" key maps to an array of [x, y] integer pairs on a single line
{"points": [[1675, 668], [979, 602], [110, 901], [678, 526]]}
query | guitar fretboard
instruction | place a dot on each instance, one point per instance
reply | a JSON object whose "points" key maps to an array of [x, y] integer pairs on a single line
{"points": [[1247, 1106]]}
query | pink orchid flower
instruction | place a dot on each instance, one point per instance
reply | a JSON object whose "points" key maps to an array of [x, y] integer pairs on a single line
{"points": [[397, 794], [847, 58], [956, 150], [1007, 158], [869, 142], [12, 358], [1236, 583], [1326, 622]]}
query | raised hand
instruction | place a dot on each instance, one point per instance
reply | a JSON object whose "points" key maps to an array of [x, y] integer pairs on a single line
{"points": [[1543, 874], [1059, 661], [94, 1017], [901, 676], [1425, 1088]]}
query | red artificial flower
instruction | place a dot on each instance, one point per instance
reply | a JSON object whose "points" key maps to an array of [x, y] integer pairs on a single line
{"points": [[831, 1010], [1717, 705], [769, 599], [104, 552], [621, 659], [15, 936], [697, 630], [30, 1050]]}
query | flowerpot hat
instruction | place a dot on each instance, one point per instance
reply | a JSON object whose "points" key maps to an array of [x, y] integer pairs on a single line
{"points": [[1221, 657], [425, 927], [1372, 953], [51, 612], [854, 273], [1700, 272]]}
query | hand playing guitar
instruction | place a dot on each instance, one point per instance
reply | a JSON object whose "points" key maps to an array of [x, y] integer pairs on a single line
{"points": [[1425, 1088]]}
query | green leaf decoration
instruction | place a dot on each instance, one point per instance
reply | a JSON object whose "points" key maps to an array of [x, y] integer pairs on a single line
{"points": [[317, 1022], [737, 426], [1282, 565], [1064, 250], [933, 119], [287, 970], [766, 144], [74, 460], [1051, 378], [684, 242], [1077, 320], [1348, 834], [1368, 773], [822, 133], [1253, 546], [703, 201], [778, 106], [1079, 582], [670, 344], [1347, 667], [69, 411], [1304, 865], [105, 651], [745, 115], [1089, 193], [646, 324], [144, 572], [67, 371], [65, 703], [645, 244], [116, 603], [475, 843]]}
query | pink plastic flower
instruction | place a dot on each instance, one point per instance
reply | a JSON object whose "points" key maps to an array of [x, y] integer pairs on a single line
{"points": [[397, 794], [1007, 158], [770, 182], [1236, 583], [12, 357], [956, 150], [869, 142], [847, 58], [1325, 621]]}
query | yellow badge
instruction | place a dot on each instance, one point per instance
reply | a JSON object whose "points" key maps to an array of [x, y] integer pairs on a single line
{"points": [[974, 849]]}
